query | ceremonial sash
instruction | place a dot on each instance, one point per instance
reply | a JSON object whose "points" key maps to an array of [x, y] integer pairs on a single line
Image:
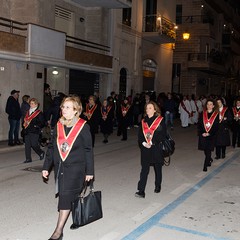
{"points": [[236, 112], [64, 142], [89, 111], [184, 107], [125, 110], [221, 114], [208, 123], [105, 113], [196, 105], [149, 131], [28, 118]]}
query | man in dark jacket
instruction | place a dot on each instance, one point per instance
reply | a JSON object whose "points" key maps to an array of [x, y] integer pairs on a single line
{"points": [[14, 115]]}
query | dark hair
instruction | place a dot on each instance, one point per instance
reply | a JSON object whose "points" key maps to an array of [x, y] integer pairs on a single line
{"points": [[156, 108]]}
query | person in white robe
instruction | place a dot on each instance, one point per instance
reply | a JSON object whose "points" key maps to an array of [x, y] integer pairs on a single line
{"points": [[184, 111]]}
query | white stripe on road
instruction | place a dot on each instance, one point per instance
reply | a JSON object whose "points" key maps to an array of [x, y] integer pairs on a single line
{"points": [[147, 212], [181, 188], [110, 236]]}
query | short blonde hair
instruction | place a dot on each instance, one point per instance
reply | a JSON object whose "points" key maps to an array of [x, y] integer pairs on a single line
{"points": [[77, 105], [34, 100]]}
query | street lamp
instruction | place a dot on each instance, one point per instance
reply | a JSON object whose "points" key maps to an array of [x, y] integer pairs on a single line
{"points": [[186, 36]]}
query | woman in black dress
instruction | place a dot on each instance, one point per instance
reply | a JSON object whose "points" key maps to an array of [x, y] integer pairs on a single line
{"points": [[151, 132], [223, 134], [207, 130], [70, 152], [106, 122]]}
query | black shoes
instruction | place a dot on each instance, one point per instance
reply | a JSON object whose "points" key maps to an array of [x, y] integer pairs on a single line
{"points": [[42, 155], [157, 189], [205, 169], [223, 156], [11, 144], [60, 238], [27, 161], [123, 139], [105, 141], [140, 194], [73, 227], [217, 157], [18, 143]]}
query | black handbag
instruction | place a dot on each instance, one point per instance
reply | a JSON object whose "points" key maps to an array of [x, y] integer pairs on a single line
{"points": [[168, 148], [87, 209]]}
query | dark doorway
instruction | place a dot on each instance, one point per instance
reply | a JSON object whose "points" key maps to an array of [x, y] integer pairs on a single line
{"points": [[123, 82], [83, 83]]}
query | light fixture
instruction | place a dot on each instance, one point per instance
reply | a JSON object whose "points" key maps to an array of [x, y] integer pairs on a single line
{"points": [[55, 72], [186, 36]]}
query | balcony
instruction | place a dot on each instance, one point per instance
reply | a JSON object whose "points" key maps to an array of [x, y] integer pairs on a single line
{"points": [[210, 63], [112, 4], [36, 44], [158, 29]]}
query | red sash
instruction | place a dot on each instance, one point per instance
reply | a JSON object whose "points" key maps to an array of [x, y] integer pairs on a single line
{"points": [[236, 112], [184, 107], [105, 113], [28, 118], [89, 111], [208, 123], [64, 142], [221, 114], [125, 110], [149, 131]]}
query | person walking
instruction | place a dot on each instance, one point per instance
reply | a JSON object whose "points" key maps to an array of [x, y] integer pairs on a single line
{"points": [[223, 135], [71, 154], [151, 132], [106, 122], [14, 115], [236, 124], [185, 111], [124, 113], [207, 130], [33, 123], [92, 115], [169, 108]]}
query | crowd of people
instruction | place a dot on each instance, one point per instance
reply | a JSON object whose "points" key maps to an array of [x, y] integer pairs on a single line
{"points": [[74, 121]]}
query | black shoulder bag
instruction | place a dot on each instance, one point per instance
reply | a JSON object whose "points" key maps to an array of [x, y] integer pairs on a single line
{"points": [[168, 147]]}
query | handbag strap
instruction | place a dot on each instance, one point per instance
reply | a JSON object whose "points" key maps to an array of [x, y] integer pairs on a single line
{"points": [[85, 186]]}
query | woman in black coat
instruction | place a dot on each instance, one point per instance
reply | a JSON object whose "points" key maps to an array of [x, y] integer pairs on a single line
{"points": [[32, 126], [207, 130], [70, 152], [106, 122], [223, 134], [151, 133]]}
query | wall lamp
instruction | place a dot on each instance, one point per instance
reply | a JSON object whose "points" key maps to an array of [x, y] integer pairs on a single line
{"points": [[186, 36], [55, 72]]}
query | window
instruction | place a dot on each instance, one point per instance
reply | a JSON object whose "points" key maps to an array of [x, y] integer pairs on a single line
{"points": [[126, 16], [179, 14]]}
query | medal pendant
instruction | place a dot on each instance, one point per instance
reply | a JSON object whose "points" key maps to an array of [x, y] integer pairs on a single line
{"points": [[64, 147]]}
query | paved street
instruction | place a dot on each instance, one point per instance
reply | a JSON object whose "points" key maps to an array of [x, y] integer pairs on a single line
{"points": [[193, 205]]}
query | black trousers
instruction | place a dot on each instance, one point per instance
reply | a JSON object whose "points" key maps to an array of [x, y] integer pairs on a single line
{"points": [[32, 141], [236, 135], [144, 175], [208, 157], [220, 151]]}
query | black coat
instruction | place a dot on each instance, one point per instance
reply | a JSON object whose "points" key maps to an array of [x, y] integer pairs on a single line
{"points": [[223, 134], [78, 163], [106, 126], [13, 109], [207, 143], [35, 125], [94, 121], [153, 154]]}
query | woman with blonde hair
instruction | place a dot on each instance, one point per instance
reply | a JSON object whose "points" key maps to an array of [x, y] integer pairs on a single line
{"points": [[151, 133], [70, 152]]}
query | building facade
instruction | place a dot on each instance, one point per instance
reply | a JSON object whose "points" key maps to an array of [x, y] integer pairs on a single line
{"points": [[209, 61], [85, 46]]}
